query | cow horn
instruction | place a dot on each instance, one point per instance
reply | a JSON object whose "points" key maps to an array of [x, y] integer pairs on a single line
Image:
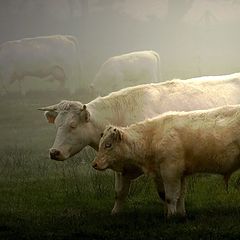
{"points": [[49, 108]]}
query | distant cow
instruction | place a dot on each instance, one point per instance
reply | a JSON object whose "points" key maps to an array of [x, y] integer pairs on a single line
{"points": [[173, 146], [56, 57], [79, 125], [127, 70]]}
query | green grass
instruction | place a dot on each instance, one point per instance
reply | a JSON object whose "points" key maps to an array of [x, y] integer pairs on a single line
{"points": [[44, 199]]}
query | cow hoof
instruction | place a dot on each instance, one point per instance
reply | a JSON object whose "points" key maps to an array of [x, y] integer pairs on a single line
{"points": [[114, 212]]}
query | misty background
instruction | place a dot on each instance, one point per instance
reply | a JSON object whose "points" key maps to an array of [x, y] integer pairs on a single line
{"points": [[192, 37], [45, 199]]}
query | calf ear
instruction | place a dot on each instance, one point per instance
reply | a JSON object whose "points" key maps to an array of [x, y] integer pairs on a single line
{"points": [[84, 114], [118, 134], [50, 116]]}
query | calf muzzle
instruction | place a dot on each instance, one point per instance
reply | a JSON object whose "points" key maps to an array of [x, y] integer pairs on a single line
{"points": [[94, 165]]}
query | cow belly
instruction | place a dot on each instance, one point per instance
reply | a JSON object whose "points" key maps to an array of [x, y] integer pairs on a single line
{"points": [[226, 160]]}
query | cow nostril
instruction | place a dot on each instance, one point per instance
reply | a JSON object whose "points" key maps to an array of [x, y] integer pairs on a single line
{"points": [[57, 153], [54, 153]]}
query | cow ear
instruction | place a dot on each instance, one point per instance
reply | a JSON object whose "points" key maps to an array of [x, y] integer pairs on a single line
{"points": [[50, 116], [85, 115]]}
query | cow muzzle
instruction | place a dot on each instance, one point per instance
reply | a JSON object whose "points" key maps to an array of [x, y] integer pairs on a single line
{"points": [[55, 154]]}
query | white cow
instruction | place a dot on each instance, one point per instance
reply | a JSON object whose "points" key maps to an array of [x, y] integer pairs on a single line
{"points": [[173, 146], [80, 125], [56, 57], [127, 70]]}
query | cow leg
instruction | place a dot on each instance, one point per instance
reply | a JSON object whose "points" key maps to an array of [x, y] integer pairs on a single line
{"points": [[122, 185], [4, 89], [21, 86], [59, 75], [181, 201], [160, 187]]}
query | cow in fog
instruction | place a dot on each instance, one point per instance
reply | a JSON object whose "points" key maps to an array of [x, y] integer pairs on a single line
{"points": [[79, 125], [173, 146], [127, 70], [54, 57]]}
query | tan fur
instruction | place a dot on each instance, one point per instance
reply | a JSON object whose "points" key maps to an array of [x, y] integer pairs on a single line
{"points": [[177, 144]]}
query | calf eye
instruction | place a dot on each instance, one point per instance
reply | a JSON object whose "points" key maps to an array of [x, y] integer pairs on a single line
{"points": [[101, 134], [108, 145]]}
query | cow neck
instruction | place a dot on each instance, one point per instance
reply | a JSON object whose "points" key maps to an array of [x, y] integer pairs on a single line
{"points": [[103, 113]]}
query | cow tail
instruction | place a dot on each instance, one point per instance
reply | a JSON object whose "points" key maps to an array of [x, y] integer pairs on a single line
{"points": [[159, 66], [78, 57]]}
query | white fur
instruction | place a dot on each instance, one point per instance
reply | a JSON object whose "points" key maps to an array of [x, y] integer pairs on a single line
{"points": [[56, 57], [127, 70]]}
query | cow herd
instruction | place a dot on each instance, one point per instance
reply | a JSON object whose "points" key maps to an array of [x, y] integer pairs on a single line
{"points": [[57, 58], [138, 124], [53, 58], [168, 147]]}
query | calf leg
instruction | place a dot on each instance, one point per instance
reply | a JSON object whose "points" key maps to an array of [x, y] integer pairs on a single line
{"points": [[160, 187], [181, 201], [172, 185], [172, 190], [122, 185], [226, 180]]}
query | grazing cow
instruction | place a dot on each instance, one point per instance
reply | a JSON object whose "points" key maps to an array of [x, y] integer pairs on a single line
{"points": [[173, 146], [80, 125], [127, 70], [54, 57]]}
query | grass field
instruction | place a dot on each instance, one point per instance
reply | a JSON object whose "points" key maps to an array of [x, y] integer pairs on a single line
{"points": [[44, 199]]}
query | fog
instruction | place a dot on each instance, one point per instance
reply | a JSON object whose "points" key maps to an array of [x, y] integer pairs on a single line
{"points": [[192, 37], [43, 198]]}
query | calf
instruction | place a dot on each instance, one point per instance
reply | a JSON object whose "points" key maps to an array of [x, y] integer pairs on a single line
{"points": [[173, 146]]}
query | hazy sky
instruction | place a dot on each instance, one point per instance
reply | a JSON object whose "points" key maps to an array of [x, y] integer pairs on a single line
{"points": [[222, 10], [193, 37], [214, 11]]}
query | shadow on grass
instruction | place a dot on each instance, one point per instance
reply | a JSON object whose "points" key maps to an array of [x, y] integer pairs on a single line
{"points": [[219, 223]]}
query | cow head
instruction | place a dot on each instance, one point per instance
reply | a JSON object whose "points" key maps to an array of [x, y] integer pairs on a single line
{"points": [[74, 128], [111, 150]]}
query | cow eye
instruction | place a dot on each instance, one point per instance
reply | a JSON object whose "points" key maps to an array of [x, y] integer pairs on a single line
{"points": [[108, 145], [73, 125], [101, 134]]}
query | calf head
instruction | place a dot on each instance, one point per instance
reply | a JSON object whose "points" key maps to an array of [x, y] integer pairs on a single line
{"points": [[111, 150], [74, 128]]}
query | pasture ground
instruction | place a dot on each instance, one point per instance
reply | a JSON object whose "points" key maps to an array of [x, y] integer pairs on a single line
{"points": [[44, 199]]}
